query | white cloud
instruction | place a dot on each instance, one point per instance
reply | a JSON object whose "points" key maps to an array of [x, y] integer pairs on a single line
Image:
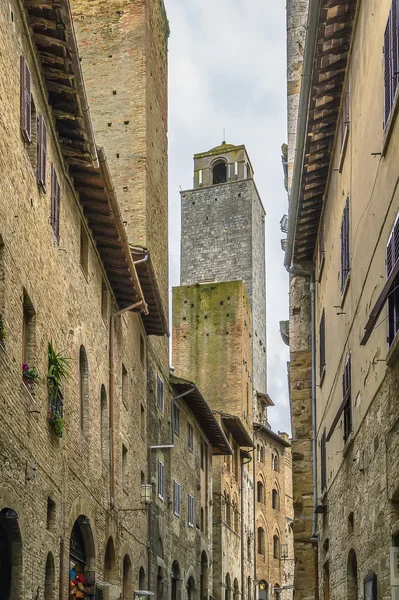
{"points": [[227, 70]]}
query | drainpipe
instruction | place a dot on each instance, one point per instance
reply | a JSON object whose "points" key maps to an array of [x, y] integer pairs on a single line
{"points": [[61, 584], [159, 447], [112, 398]]}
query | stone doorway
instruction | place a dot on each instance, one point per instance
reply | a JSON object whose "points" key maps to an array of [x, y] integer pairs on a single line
{"points": [[10, 556]]}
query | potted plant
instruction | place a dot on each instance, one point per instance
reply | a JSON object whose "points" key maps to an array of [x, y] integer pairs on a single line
{"points": [[30, 376], [58, 370]]}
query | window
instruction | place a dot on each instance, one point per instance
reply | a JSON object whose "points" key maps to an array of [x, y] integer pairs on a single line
{"points": [[104, 299], [190, 438], [160, 393], [323, 461], [275, 465], [104, 423], [261, 540], [200, 177], [142, 421], [161, 480], [392, 256], [345, 117], [391, 59], [176, 419], [190, 510], [176, 498], [345, 254], [28, 332], [55, 204], [219, 172], [25, 95], [322, 343], [275, 500], [84, 250], [51, 521], [202, 519], [83, 387], [262, 454], [124, 466], [236, 169], [346, 390], [276, 546], [41, 152], [125, 386], [260, 492]]}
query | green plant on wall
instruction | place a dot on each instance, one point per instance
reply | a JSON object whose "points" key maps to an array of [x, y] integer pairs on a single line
{"points": [[59, 367], [58, 423], [3, 330]]}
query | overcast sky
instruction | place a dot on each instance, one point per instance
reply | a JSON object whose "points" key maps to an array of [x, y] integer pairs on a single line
{"points": [[227, 70]]}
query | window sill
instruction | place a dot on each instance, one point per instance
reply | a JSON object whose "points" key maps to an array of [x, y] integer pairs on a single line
{"points": [[348, 444], [345, 290], [393, 352], [390, 124]]}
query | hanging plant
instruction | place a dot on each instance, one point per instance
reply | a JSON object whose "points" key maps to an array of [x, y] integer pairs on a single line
{"points": [[58, 423], [59, 367]]}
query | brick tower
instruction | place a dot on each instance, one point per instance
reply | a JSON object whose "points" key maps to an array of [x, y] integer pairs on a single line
{"points": [[223, 236]]}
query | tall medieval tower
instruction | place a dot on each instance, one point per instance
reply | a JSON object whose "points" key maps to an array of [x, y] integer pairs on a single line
{"points": [[123, 49], [223, 236]]}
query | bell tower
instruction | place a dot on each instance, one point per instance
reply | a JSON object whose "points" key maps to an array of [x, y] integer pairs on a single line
{"points": [[223, 235]]}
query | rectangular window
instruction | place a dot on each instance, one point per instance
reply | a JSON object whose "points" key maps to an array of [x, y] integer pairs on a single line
{"points": [[176, 419], [190, 510], [176, 498], [125, 386], [51, 514], [200, 177], [190, 438], [161, 480], [236, 169], [84, 250], [322, 342], [392, 257], [160, 393], [390, 61], [124, 466], [345, 253], [41, 152], [323, 461], [25, 96], [346, 390], [55, 204]]}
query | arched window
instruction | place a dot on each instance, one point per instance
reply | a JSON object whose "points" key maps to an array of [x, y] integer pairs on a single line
{"points": [[262, 454], [261, 540], [142, 585], [351, 580], [83, 388], [227, 587], [219, 172], [175, 580], [190, 588], [260, 492], [127, 578], [351, 523], [49, 582], [236, 518], [104, 424], [110, 571], [235, 589], [277, 591], [276, 546], [275, 500], [249, 588], [275, 461]]}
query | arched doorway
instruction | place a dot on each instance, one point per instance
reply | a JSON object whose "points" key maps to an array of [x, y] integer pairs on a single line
{"points": [[263, 590], [110, 571], [352, 583], [190, 589], [175, 581], [10, 556], [204, 576], [81, 546], [127, 579], [49, 581]]}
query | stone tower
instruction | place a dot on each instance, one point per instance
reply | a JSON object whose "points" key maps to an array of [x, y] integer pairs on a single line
{"points": [[223, 235], [123, 50]]}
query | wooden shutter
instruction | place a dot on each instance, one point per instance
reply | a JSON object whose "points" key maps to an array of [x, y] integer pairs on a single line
{"points": [[323, 461], [25, 97], [55, 204], [41, 152], [322, 341], [345, 254]]}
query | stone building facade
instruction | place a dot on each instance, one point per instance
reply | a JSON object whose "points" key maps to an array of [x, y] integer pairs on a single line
{"points": [[350, 252]]}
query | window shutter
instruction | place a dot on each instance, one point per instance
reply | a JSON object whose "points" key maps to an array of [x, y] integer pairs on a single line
{"points": [[41, 152], [323, 461], [394, 50], [322, 343], [57, 211], [55, 204], [25, 96]]}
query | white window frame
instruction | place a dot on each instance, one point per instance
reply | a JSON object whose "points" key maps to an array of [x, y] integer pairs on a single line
{"points": [[200, 177], [176, 498]]}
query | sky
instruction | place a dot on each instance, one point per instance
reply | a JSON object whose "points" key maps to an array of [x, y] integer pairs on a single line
{"points": [[227, 71]]}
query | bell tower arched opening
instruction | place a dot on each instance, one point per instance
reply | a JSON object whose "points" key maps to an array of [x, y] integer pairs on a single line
{"points": [[219, 172]]}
